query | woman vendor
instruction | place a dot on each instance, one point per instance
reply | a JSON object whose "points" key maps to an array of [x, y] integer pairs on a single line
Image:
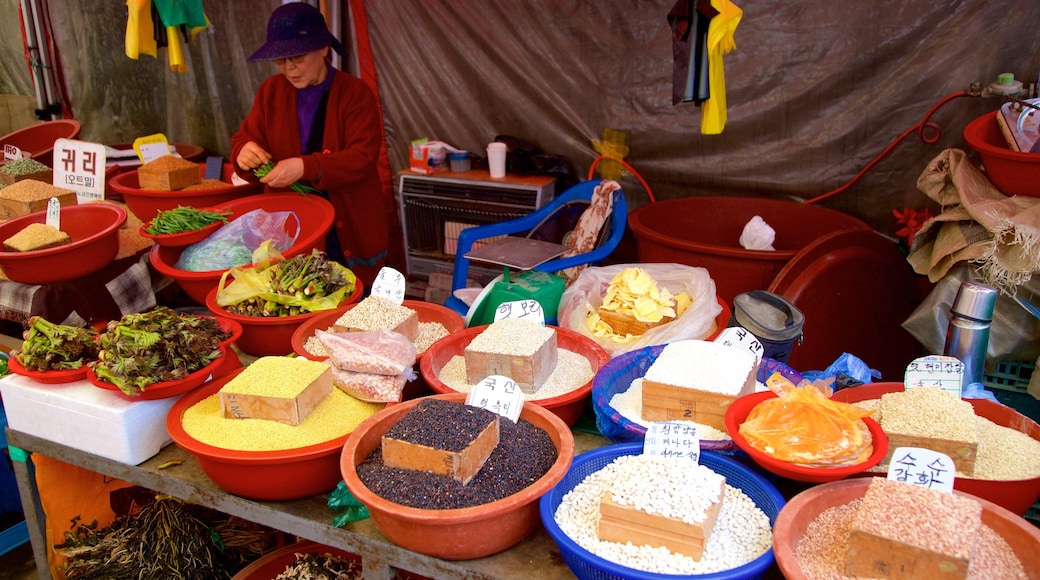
{"points": [[319, 126]]}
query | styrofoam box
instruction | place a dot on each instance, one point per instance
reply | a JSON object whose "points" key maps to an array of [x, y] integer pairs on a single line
{"points": [[88, 418]]}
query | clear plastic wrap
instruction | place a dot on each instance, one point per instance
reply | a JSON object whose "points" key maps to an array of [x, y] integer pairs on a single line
{"points": [[378, 352]]}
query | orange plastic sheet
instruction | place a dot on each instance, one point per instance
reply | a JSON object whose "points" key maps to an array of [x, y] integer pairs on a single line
{"points": [[802, 426]]}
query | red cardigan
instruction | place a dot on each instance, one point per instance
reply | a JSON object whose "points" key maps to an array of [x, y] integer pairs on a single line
{"points": [[346, 169]]}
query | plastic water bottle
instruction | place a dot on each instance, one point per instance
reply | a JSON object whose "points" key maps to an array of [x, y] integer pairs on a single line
{"points": [[967, 336]]}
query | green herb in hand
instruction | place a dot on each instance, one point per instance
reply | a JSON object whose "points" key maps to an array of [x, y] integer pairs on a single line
{"points": [[183, 219], [296, 186]]}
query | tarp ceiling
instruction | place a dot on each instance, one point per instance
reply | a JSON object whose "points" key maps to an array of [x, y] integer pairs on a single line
{"points": [[815, 89]]}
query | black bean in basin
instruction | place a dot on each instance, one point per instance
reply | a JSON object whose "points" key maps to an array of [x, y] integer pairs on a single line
{"points": [[524, 453]]}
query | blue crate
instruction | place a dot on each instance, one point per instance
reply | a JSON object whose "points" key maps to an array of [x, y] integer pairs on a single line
{"points": [[17, 534]]}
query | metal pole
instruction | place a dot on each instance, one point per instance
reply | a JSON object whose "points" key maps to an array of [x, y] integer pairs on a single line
{"points": [[53, 106], [31, 46]]}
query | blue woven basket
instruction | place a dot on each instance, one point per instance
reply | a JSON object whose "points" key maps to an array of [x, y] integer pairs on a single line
{"points": [[616, 377], [586, 565]]}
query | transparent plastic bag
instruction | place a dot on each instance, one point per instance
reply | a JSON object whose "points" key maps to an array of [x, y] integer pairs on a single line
{"points": [[372, 388], [234, 244], [379, 352], [586, 294]]}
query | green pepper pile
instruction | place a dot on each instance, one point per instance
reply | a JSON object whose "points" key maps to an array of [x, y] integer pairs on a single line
{"points": [[160, 345], [56, 347], [183, 219]]}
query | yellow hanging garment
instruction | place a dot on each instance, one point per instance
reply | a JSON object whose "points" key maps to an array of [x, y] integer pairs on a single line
{"points": [[140, 38], [720, 41]]}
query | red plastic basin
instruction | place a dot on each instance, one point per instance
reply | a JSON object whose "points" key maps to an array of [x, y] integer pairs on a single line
{"points": [[1012, 172]]}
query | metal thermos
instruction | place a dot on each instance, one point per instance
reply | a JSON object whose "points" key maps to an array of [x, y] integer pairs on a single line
{"points": [[967, 336]]}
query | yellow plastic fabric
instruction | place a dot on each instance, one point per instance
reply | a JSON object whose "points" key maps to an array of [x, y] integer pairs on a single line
{"points": [[804, 427], [720, 41], [139, 36]]}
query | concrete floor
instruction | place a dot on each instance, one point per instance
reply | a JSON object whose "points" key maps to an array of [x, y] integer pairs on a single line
{"points": [[18, 564]]}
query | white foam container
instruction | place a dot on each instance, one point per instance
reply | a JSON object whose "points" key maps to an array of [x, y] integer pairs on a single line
{"points": [[87, 418]]}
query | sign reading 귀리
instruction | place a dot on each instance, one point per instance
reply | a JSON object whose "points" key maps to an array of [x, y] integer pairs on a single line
{"points": [[80, 166]]}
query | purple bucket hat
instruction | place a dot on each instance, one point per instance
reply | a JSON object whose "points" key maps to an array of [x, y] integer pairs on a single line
{"points": [[294, 29]]}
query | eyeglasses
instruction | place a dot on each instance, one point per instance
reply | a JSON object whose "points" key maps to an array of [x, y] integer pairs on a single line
{"points": [[292, 59]]}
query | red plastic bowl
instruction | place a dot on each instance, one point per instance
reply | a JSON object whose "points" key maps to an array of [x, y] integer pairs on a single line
{"points": [[738, 411], [568, 406], [165, 389], [272, 335], [38, 140], [797, 514], [47, 377], [314, 212], [94, 229], [273, 563], [454, 534], [145, 203], [281, 475], [427, 312], [1017, 495], [1012, 172]]}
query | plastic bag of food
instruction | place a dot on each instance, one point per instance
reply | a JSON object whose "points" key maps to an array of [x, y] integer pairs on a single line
{"points": [[370, 387], [233, 244], [379, 352], [802, 426], [586, 294]]}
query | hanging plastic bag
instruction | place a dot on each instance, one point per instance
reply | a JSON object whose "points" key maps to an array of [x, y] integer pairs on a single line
{"points": [[234, 244], [697, 322]]}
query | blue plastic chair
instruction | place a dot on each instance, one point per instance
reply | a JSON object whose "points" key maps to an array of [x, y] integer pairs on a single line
{"points": [[526, 226]]}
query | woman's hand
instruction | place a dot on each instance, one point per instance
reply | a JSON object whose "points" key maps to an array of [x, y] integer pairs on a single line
{"points": [[252, 156], [285, 173]]}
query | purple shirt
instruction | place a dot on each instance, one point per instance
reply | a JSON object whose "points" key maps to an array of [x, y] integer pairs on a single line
{"points": [[307, 101]]}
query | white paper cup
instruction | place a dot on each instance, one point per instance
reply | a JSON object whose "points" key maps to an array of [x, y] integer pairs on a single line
{"points": [[496, 153]]}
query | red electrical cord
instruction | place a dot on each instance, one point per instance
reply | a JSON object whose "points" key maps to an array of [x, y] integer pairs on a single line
{"points": [[646, 186], [925, 124]]}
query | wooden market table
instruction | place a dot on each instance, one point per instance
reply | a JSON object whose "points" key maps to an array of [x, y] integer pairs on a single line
{"points": [[310, 518]]}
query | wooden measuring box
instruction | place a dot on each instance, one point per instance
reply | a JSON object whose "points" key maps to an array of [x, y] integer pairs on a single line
{"points": [[882, 543], [244, 397], [697, 381], [625, 523], [529, 361], [461, 466]]}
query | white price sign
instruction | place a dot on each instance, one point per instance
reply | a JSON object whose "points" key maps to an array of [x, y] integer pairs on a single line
{"points": [[498, 394], [527, 309], [80, 166], [12, 152], [742, 338], [945, 372], [922, 467], [668, 439], [151, 147], [53, 218], [389, 283]]}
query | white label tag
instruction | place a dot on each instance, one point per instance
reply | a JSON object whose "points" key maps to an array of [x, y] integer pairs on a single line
{"points": [[527, 309], [945, 372], [80, 166], [498, 394], [11, 152], [389, 283], [922, 467], [151, 147], [53, 213], [672, 440], [742, 338]]}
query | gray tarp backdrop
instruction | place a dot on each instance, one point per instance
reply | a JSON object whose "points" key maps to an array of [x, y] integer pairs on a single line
{"points": [[815, 89]]}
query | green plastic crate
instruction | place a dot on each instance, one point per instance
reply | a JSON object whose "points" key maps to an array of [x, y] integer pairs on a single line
{"points": [[1012, 375]]}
